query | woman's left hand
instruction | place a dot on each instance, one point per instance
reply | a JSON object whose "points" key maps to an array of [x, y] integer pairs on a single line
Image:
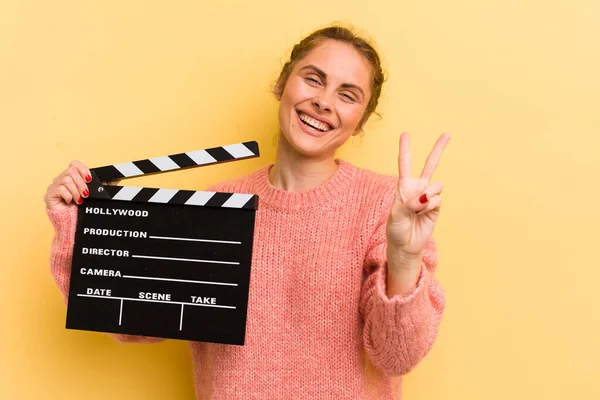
{"points": [[416, 204]]}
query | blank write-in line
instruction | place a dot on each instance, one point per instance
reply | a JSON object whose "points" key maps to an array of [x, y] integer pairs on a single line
{"points": [[152, 278], [194, 240], [155, 301], [186, 259]]}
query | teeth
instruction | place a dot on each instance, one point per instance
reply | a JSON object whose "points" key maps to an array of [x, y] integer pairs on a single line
{"points": [[314, 123]]}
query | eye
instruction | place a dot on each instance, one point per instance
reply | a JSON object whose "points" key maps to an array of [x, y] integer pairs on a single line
{"points": [[312, 81], [348, 97]]}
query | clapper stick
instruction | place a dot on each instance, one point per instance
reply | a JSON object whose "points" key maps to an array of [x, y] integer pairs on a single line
{"points": [[164, 262], [109, 173]]}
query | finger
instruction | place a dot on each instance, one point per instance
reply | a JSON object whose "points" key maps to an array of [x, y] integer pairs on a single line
{"points": [[84, 172], [64, 193], [69, 184], [54, 196], [421, 202], [435, 156], [403, 198], [433, 204], [75, 174], [404, 156]]}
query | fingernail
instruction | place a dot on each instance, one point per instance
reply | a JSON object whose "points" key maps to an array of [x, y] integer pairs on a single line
{"points": [[402, 197], [423, 198], [86, 193], [88, 178], [80, 201]]}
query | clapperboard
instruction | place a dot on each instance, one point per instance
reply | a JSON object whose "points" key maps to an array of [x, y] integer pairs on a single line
{"points": [[164, 262]]}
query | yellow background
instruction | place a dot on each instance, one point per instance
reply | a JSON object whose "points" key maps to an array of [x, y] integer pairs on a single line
{"points": [[516, 83]]}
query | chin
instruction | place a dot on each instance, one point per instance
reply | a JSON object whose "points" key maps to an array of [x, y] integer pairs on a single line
{"points": [[306, 146]]}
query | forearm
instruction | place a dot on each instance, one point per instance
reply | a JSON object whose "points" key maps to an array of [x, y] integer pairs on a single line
{"points": [[400, 330], [61, 255], [61, 251], [124, 338], [403, 272]]}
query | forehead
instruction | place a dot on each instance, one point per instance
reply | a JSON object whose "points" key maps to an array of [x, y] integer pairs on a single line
{"points": [[341, 62]]}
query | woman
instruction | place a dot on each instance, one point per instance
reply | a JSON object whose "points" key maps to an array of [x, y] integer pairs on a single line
{"points": [[342, 296]]}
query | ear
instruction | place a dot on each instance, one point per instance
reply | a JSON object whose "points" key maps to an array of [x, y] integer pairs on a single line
{"points": [[361, 124], [278, 89]]}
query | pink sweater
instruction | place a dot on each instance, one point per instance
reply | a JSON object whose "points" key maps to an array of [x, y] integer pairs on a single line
{"points": [[320, 325]]}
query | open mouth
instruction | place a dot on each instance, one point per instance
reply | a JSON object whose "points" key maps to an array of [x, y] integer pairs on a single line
{"points": [[313, 123]]}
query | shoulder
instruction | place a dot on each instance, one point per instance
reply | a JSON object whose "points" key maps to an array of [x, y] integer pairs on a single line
{"points": [[372, 183], [372, 195]]}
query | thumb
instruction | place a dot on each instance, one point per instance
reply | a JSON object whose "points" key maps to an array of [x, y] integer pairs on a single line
{"points": [[419, 203], [404, 209], [408, 205], [426, 195]]}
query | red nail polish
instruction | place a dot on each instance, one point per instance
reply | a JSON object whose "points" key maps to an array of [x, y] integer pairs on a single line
{"points": [[86, 193], [80, 201], [423, 198], [88, 178]]}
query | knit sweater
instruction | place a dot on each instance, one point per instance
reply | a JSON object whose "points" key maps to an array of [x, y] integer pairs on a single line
{"points": [[320, 324]]}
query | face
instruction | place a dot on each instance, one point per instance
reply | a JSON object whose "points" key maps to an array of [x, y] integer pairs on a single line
{"points": [[324, 99]]}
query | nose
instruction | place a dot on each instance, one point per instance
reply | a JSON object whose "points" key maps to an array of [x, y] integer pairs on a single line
{"points": [[321, 102]]}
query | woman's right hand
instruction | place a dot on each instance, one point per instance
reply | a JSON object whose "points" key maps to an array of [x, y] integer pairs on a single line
{"points": [[68, 187]]}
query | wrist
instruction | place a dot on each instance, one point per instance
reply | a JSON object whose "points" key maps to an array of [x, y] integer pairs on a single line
{"points": [[403, 272], [399, 259]]}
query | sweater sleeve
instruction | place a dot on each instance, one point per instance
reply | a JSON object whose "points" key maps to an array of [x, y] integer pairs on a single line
{"points": [[61, 256], [399, 331]]}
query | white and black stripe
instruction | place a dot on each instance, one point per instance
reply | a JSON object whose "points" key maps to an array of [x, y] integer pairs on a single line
{"points": [[190, 159], [183, 197]]}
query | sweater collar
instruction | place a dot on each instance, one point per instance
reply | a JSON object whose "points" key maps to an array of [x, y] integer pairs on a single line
{"points": [[329, 191]]}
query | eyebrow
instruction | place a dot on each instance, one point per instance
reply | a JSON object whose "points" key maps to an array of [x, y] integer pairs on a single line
{"points": [[323, 76]]}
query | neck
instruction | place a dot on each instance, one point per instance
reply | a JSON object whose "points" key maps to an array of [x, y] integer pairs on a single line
{"points": [[294, 172]]}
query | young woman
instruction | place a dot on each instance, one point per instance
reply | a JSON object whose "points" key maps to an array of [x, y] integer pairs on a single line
{"points": [[343, 296]]}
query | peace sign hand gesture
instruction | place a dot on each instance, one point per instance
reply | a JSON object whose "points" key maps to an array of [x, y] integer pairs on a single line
{"points": [[416, 204]]}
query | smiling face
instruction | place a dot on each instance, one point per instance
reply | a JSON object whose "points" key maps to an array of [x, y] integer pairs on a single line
{"points": [[324, 99]]}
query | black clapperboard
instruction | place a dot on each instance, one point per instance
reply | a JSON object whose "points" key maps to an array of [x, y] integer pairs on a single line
{"points": [[164, 262]]}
